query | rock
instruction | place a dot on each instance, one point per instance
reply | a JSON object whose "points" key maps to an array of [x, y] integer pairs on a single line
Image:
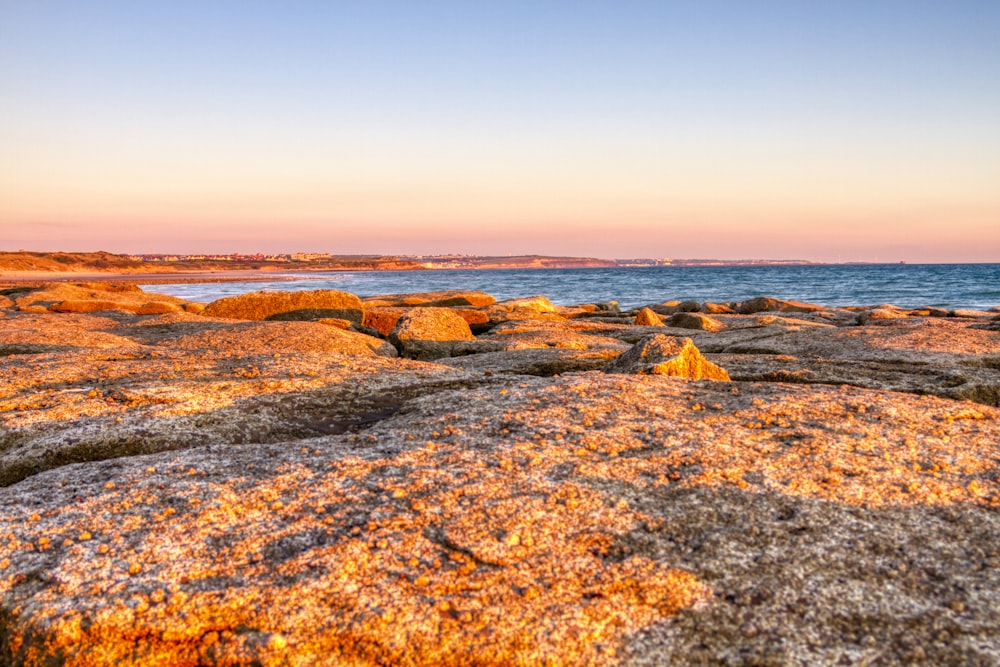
{"points": [[268, 337], [5, 302], [694, 321], [429, 333], [767, 304], [537, 304], [648, 318], [336, 322], [499, 314], [448, 298], [158, 308], [382, 318], [881, 313], [541, 361], [187, 490], [671, 307], [658, 354], [288, 306], [94, 297], [87, 306], [717, 308], [477, 320], [665, 308]]}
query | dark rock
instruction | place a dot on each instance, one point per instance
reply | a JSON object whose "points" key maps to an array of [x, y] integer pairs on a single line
{"points": [[767, 304], [445, 299], [698, 321]]}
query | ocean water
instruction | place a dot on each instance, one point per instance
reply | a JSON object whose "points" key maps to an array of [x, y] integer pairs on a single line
{"points": [[974, 286]]}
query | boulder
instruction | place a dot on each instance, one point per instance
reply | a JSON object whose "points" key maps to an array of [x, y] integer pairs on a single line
{"points": [[671, 307], [697, 321], [94, 297], [429, 333], [383, 319], [717, 308], [648, 318], [158, 308], [477, 319], [538, 304], [658, 354], [447, 298], [882, 313], [312, 305], [767, 304]]}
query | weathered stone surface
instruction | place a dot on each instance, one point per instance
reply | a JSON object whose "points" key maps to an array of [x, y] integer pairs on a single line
{"points": [[694, 321], [476, 319], [448, 298], [647, 318], [429, 333], [671, 307], [85, 306], [767, 304], [881, 313], [542, 361], [590, 519], [500, 313], [94, 297], [311, 305], [383, 319], [717, 308], [665, 355], [224, 492], [538, 304], [158, 308]]}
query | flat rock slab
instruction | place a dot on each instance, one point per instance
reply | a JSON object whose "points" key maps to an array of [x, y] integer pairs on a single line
{"points": [[446, 298], [591, 518], [310, 305]]}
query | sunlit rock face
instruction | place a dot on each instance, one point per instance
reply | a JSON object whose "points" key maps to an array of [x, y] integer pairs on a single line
{"points": [[189, 490], [429, 333], [658, 354], [288, 306]]}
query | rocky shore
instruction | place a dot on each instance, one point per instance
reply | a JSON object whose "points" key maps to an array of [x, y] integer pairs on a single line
{"points": [[312, 478]]}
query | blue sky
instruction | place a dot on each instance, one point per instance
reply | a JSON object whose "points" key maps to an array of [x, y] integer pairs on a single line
{"points": [[729, 129]]}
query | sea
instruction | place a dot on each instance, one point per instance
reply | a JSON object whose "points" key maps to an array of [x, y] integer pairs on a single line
{"points": [[951, 286]]}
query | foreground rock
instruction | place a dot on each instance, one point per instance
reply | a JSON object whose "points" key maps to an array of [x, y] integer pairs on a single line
{"points": [[429, 333], [289, 306], [190, 490], [664, 355], [591, 519]]}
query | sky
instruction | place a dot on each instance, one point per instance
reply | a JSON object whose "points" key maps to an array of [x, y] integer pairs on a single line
{"points": [[838, 131]]}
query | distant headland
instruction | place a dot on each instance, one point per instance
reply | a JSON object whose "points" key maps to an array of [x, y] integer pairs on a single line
{"points": [[25, 262]]}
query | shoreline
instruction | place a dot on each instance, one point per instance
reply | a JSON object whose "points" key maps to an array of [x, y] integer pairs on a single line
{"points": [[31, 278]]}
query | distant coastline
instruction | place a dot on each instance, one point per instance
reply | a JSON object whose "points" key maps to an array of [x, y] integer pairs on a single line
{"points": [[24, 266]]}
